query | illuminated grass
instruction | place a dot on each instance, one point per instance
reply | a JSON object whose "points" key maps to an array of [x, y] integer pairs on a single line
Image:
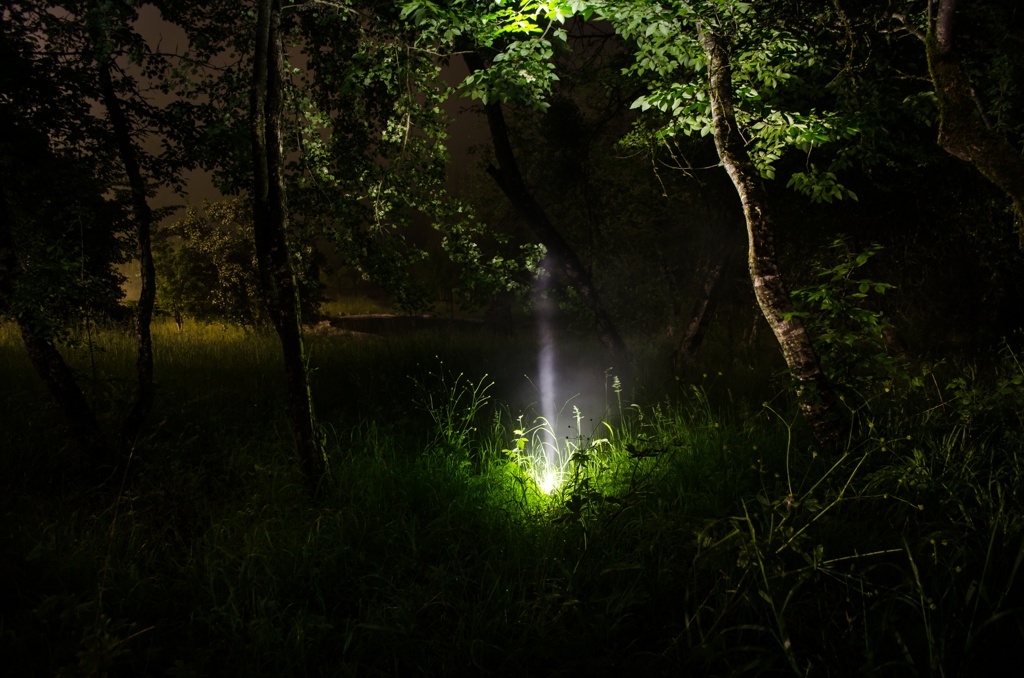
{"points": [[343, 305], [681, 539]]}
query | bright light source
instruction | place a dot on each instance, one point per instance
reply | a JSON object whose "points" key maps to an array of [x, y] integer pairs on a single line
{"points": [[549, 479]]}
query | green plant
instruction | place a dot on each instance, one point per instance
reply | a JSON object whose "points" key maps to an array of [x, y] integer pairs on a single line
{"points": [[454, 404], [578, 491], [208, 270], [686, 538], [992, 400], [849, 332]]}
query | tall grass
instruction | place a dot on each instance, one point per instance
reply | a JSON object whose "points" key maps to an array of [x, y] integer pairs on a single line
{"points": [[688, 535], [341, 305]]}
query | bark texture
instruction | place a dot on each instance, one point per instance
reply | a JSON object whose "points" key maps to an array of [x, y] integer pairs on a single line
{"points": [[963, 129], [510, 180], [142, 216], [45, 358], [817, 400], [277, 277]]}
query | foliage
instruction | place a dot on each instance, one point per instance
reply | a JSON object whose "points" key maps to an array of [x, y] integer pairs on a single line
{"points": [[776, 69], [60, 176], [455, 405], [69, 239], [690, 540], [372, 135], [488, 265], [849, 334], [207, 269], [690, 535], [990, 402], [520, 38], [57, 50]]}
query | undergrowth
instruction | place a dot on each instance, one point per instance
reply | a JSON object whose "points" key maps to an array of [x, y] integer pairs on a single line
{"points": [[685, 536]]}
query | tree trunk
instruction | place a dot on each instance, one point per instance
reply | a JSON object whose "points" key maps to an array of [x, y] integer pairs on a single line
{"points": [[277, 277], [46, 359], [142, 215], [510, 181], [963, 130], [817, 401], [700, 318]]}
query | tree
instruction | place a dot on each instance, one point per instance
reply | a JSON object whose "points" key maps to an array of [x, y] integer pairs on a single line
{"points": [[509, 178], [816, 397], [372, 155], [58, 249], [207, 267], [74, 61], [673, 44], [207, 264], [708, 294], [60, 237], [952, 226], [105, 28], [965, 131], [475, 31], [39, 344], [269, 233], [341, 138]]}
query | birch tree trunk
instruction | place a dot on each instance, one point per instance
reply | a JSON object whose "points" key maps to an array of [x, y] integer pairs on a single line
{"points": [[817, 401], [277, 278]]}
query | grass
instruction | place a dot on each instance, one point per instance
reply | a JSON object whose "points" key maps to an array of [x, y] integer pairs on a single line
{"points": [[694, 533], [341, 304]]}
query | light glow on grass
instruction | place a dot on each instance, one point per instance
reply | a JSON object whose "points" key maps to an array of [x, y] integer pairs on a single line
{"points": [[549, 479], [532, 453]]}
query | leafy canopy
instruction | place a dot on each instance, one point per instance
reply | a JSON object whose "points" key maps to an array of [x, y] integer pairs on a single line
{"points": [[779, 70]]}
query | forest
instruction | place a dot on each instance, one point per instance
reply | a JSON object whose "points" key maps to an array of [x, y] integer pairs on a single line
{"points": [[511, 337]]}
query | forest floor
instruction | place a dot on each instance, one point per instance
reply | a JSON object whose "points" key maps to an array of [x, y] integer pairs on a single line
{"points": [[697, 528]]}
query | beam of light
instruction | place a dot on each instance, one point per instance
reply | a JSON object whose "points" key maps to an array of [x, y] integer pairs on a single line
{"points": [[546, 367], [551, 463]]}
